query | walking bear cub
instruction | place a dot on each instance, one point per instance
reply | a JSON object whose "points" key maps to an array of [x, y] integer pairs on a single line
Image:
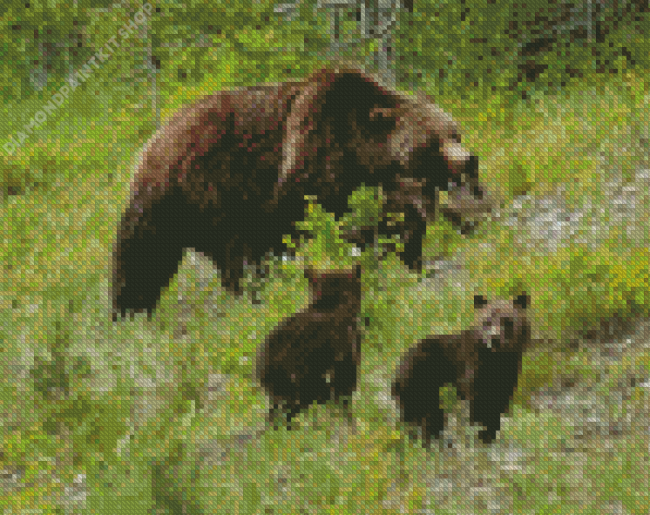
{"points": [[483, 362], [314, 355], [227, 176]]}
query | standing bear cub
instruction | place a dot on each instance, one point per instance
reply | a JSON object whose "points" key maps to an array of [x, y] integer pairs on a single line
{"points": [[313, 356], [227, 176], [483, 362]]}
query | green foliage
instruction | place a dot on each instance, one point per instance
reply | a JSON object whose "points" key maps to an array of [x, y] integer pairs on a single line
{"points": [[128, 407], [41, 38], [521, 48]]}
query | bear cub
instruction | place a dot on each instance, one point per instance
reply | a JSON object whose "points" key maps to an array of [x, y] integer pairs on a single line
{"points": [[314, 355], [483, 363]]}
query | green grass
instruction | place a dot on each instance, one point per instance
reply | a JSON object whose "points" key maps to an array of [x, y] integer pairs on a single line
{"points": [[156, 420]]}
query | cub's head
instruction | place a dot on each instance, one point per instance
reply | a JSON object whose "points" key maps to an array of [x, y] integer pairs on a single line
{"points": [[332, 289], [502, 324]]}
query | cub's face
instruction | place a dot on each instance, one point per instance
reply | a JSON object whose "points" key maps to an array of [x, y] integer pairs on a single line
{"points": [[502, 324]]}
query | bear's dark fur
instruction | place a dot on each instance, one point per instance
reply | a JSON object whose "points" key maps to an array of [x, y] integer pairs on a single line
{"points": [[483, 362], [314, 355], [227, 176]]}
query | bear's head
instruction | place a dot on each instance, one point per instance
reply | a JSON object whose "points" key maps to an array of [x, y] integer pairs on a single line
{"points": [[502, 324], [346, 129]]}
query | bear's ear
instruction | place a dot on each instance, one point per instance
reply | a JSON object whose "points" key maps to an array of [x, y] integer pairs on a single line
{"points": [[381, 122], [480, 301], [522, 301], [311, 275]]}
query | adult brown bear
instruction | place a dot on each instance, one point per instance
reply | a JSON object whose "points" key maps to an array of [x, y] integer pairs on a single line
{"points": [[228, 175], [483, 362]]}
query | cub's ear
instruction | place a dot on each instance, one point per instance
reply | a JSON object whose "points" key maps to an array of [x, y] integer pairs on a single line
{"points": [[480, 301], [522, 301], [311, 274]]}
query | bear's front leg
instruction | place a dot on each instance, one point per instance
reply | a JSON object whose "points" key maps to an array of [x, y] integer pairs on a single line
{"points": [[494, 386], [149, 248], [417, 388]]}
